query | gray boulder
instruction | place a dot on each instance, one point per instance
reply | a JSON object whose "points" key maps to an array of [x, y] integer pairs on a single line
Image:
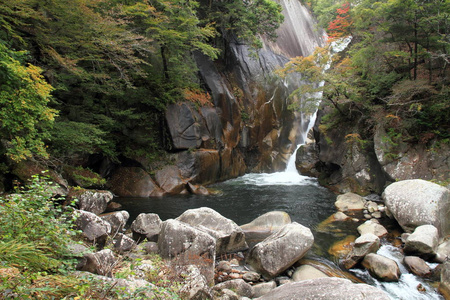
{"points": [[188, 245], [229, 236], [281, 250], [422, 242], [146, 226], [373, 228], [101, 263], [350, 201], [124, 243], [264, 225], [117, 219], [330, 288], [418, 202], [383, 268], [94, 201], [94, 228], [417, 266], [305, 272], [365, 244]]}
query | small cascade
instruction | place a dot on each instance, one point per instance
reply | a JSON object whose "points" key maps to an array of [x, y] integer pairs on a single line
{"points": [[290, 166], [407, 286]]}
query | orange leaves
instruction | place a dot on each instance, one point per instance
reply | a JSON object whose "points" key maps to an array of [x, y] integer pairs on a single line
{"points": [[197, 97], [340, 26]]}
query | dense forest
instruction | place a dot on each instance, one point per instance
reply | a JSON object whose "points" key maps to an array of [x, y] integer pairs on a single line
{"points": [[394, 72], [78, 78]]}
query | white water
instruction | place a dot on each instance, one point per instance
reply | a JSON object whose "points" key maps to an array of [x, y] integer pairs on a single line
{"points": [[406, 287]]}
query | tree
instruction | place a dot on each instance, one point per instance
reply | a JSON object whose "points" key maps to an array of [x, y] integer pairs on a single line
{"points": [[25, 118]]}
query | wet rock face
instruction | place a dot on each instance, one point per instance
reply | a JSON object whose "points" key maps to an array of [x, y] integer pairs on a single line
{"points": [[133, 182], [169, 179], [381, 267], [418, 202]]}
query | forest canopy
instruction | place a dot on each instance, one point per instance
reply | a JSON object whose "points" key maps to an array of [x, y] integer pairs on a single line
{"points": [[97, 69]]}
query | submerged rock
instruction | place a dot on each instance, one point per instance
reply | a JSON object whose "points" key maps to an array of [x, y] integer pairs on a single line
{"points": [[330, 288], [350, 201], [281, 250], [418, 202]]}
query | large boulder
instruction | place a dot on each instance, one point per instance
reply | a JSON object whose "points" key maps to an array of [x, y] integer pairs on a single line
{"points": [[418, 202], [117, 219], [349, 201], [365, 244], [422, 242], [381, 267], [124, 243], [229, 236], [265, 225], [330, 288], [188, 245], [169, 179], [281, 250], [146, 226], [133, 182], [94, 228], [94, 201]]}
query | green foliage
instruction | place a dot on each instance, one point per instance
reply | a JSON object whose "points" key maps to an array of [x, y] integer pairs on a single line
{"points": [[26, 218], [25, 117], [246, 20]]}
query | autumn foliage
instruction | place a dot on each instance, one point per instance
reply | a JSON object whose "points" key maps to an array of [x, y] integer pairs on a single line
{"points": [[340, 26]]}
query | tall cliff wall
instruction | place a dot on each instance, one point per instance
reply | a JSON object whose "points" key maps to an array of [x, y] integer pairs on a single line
{"points": [[249, 127]]}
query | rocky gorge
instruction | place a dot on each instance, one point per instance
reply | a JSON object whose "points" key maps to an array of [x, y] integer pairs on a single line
{"points": [[267, 258]]}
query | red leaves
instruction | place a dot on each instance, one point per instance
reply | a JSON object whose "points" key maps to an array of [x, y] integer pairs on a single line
{"points": [[340, 26]]}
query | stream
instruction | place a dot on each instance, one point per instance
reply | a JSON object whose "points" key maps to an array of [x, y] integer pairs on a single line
{"points": [[247, 197]]}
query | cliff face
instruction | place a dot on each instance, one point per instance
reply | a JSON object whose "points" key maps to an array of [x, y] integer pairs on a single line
{"points": [[345, 162], [249, 127]]}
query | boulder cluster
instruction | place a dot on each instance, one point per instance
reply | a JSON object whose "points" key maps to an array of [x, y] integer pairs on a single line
{"points": [[264, 259], [422, 209]]}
